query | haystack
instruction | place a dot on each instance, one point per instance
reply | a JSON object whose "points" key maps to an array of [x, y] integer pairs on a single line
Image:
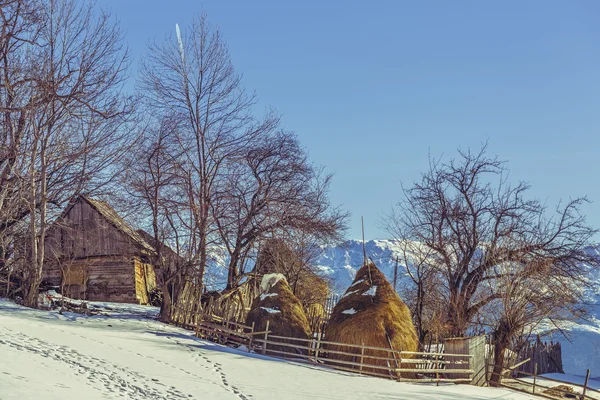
{"points": [[278, 305], [371, 313], [276, 256]]}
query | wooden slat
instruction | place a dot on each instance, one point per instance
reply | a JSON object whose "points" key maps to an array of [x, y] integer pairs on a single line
{"points": [[430, 371], [431, 380]]}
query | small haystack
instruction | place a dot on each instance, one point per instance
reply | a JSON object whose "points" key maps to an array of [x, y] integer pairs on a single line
{"points": [[371, 313], [278, 305], [276, 256]]}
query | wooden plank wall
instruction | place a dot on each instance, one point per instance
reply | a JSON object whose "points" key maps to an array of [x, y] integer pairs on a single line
{"points": [[548, 357], [111, 279], [477, 346], [84, 232], [145, 280]]}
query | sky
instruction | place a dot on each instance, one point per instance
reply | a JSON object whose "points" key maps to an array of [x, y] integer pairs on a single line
{"points": [[373, 88]]}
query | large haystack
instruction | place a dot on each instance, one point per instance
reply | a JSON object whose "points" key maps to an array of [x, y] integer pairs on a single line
{"points": [[278, 305], [371, 313]]}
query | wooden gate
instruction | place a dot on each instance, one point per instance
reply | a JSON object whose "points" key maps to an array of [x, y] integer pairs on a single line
{"points": [[474, 346]]}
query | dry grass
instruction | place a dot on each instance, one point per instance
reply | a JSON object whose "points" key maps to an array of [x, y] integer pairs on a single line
{"points": [[289, 321], [380, 320]]}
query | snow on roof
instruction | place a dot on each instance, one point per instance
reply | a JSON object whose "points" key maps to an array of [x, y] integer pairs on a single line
{"points": [[270, 280]]}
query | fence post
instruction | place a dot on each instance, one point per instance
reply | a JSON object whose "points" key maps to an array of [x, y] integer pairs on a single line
{"points": [[318, 347], [362, 354], [534, 376], [587, 378], [264, 349], [437, 367], [251, 338]]}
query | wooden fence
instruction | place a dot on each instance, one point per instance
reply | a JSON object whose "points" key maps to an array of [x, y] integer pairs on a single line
{"points": [[547, 356], [399, 365], [550, 388]]}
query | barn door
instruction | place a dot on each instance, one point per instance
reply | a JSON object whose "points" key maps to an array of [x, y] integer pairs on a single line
{"points": [[141, 286]]}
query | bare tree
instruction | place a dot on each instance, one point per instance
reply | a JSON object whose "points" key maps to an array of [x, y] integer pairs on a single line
{"points": [[238, 177], [62, 69], [422, 291], [193, 80], [152, 185], [472, 221], [272, 191]]}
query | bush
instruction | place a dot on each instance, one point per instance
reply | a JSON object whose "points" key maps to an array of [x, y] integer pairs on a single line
{"points": [[155, 297]]}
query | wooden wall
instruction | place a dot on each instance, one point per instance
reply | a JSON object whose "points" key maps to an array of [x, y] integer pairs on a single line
{"points": [[84, 232], [106, 259], [145, 280], [109, 278]]}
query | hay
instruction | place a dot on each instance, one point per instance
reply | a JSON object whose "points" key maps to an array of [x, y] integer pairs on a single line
{"points": [[372, 314], [278, 305], [561, 392], [276, 256]]}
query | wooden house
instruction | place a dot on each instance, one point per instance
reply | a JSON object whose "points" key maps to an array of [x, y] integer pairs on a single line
{"points": [[92, 253]]}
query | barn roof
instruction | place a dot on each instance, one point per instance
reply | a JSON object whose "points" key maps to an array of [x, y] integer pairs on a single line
{"points": [[115, 219]]}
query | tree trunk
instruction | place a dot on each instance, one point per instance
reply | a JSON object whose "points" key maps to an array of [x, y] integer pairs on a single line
{"points": [[165, 307], [501, 339]]}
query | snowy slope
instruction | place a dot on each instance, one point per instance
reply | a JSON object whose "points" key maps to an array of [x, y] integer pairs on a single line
{"points": [[44, 355]]}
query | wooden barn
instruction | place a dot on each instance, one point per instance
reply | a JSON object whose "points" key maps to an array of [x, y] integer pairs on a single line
{"points": [[93, 254]]}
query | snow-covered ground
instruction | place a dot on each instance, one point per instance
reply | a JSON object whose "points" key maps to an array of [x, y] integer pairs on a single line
{"points": [[125, 354], [574, 381]]}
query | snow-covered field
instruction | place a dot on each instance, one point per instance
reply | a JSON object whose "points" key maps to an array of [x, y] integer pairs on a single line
{"points": [[125, 354]]}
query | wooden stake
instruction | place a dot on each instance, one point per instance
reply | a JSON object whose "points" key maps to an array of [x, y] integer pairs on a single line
{"points": [[534, 376], [362, 355], [251, 338], [587, 378], [362, 219], [264, 349], [437, 367], [319, 334], [396, 274]]}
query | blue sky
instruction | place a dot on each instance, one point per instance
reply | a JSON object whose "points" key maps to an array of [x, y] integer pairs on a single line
{"points": [[371, 88]]}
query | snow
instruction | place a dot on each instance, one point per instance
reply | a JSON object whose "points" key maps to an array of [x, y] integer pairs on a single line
{"points": [[349, 293], [350, 311], [270, 280], [576, 382], [127, 355], [265, 295], [371, 292], [357, 282], [271, 310]]}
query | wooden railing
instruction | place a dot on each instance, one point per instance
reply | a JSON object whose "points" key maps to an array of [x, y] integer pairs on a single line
{"points": [[405, 366]]}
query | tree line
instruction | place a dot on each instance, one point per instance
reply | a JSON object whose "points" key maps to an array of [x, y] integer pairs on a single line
{"points": [[185, 153]]}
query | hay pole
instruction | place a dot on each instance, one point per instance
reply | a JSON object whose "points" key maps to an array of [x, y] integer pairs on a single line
{"points": [[587, 378]]}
